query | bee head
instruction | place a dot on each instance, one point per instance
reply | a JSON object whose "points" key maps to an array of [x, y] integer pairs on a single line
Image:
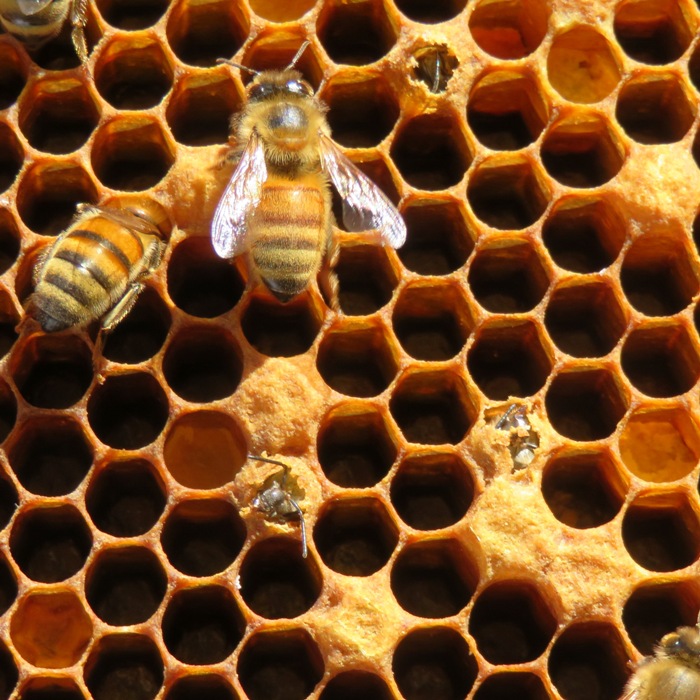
{"points": [[683, 643], [279, 85], [151, 213]]}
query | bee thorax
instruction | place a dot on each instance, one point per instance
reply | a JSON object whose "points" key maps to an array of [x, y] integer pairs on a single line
{"points": [[287, 121]]}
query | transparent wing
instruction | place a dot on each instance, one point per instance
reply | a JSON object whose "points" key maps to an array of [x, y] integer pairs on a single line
{"points": [[365, 206], [240, 198], [31, 7]]}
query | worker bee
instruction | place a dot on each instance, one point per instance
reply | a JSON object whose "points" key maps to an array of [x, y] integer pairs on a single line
{"points": [[34, 22], [277, 205], [673, 672], [275, 500], [95, 267]]}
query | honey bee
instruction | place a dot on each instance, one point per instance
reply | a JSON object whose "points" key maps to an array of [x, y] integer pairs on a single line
{"points": [[672, 673], [95, 267], [35, 22], [275, 501], [277, 205]]}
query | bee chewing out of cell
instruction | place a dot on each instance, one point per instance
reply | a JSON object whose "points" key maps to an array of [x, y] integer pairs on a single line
{"points": [[276, 207]]}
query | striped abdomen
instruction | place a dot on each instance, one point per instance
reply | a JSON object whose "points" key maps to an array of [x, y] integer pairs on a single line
{"points": [[289, 232], [86, 272], [36, 28]]}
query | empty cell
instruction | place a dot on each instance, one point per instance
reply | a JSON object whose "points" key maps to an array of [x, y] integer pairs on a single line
{"points": [[427, 12], [59, 53], [285, 664], [694, 67], [506, 111], [202, 537], [585, 404], [202, 364], [11, 156], [128, 411], [434, 663], [51, 629], [12, 75], [200, 282], [51, 456], [194, 687], [588, 660], [125, 498], [504, 686], [277, 582], [583, 489], [349, 685], [507, 192], [125, 666], [355, 537], [202, 625], [582, 151], [125, 586], [9, 241], [356, 448], [281, 12], [654, 31], [432, 491], [51, 689], [434, 66], [431, 151], [661, 533], [655, 108], [8, 410], [8, 672], [132, 14], [204, 449], [8, 586], [8, 500], [274, 51], [50, 544], [582, 66], [509, 29]]}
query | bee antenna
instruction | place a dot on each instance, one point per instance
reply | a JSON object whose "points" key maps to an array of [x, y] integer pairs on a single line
{"points": [[237, 65], [302, 525], [267, 459], [298, 54]]}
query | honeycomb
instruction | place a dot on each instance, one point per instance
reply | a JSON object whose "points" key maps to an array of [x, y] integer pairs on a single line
{"points": [[495, 443]]}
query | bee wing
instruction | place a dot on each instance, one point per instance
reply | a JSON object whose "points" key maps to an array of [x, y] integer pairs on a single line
{"points": [[365, 206], [31, 7], [241, 197]]}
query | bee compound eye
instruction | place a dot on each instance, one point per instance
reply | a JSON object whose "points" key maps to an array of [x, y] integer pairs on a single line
{"points": [[260, 91], [297, 87]]}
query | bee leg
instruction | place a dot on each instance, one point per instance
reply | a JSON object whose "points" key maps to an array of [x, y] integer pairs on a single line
{"points": [[117, 314], [327, 279], [78, 18]]}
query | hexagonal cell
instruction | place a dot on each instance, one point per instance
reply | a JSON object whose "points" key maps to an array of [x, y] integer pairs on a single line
{"points": [[8, 410], [51, 456], [585, 320], [582, 66], [661, 361], [523, 685], [200, 282], [583, 489], [51, 629], [507, 29], [202, 625], [355, 537], [432, 322], [506, 111], [434, 662], [204, 449], [125, 586], [654, 31], [361, 113], [57, 116], [507, 192], [366, 279], [203, 364], [9, 241], [51, 689], [585, 404], [202, 537], [11, 156], [355, 33], [356, 359], [125, 498], [8, 672], [132, 14], [355, 684], [200, 109], [8, 500], [588, 657], [439, 240], [13, 75], [50, 544], [511, 360], [508, 278], [434, 579], [281, 12], [200, 33], [655, 108], [210, 686], [432, 408], [58, 53], [131, 153], [660, 445], [661, 532], [277, 582], [655, 609], [287, 656], [435, 64], [356, 448], [431, 13], [281, 330], [52, 372], [431, 151], [48, 193], [582, 151], [128, 411], [8, 586], [432, 491], [126, 666]]}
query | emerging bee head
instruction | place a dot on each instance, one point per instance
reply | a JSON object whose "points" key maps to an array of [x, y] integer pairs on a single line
{"points": [[683, 644]]}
